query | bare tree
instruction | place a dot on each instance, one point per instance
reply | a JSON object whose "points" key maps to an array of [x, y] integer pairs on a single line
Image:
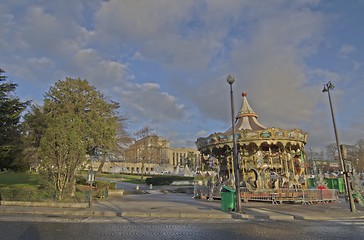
{"points": [[332, 152], [142, 133]]}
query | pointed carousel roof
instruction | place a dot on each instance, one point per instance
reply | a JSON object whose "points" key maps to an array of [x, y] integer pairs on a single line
{"points": [[248, 130], [246, 118]]}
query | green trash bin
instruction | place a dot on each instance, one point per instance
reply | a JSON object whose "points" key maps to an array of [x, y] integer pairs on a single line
{"points": [[227, 199], [311, 183], [340, 185], [335, 183]]}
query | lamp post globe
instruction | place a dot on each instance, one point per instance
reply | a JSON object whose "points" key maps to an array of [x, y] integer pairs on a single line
{"points": [[230, 79]]}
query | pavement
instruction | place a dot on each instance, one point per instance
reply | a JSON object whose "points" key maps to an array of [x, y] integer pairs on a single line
{"points": [[162, 203]]}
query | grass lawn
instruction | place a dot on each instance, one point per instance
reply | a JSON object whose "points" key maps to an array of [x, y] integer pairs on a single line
{"points": [[19, 178], [26, 187], [123, 177]]}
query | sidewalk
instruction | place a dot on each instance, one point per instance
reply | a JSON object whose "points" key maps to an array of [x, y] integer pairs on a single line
{"points": [[159, 204]]}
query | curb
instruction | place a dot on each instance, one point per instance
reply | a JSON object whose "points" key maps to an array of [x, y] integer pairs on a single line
{"points": [[140, 214], [261, 214], [44, 204]]}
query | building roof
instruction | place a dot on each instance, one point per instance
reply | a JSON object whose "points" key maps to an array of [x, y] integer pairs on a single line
{"points": [[246, 118]]}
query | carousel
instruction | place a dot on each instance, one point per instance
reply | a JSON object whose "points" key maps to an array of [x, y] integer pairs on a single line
{"points": [[269, 158]]}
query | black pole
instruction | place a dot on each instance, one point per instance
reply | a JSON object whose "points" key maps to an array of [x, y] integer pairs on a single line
{"points": [[231, 80], [327, 88], [330, 86], [346, 173]]}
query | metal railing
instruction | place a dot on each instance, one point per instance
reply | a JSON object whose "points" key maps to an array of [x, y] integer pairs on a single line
{"points": [[304, 196]]}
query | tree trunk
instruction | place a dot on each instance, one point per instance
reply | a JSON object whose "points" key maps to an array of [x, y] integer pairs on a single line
{"points": [[142, 170], [73, 190], [102, 163]]}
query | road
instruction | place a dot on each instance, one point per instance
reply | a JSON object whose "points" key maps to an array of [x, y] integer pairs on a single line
{"points": [[34, 229]]}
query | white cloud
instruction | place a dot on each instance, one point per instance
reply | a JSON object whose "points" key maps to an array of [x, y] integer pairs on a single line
{"points": [[89, 64], [201, 133], [149, 105], [346, 50], [137, 56]]}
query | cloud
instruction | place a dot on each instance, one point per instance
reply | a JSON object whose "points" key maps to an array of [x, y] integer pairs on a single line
{"points": [[174, 33], [149, 105], [268, 64], [346, 50], [324, 75], [137, 56], [166, 62], [201, 133]]}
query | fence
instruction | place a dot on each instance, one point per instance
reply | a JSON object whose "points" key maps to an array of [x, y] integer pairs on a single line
{"points": [[304, 196], [307, 196], [202, 191]]}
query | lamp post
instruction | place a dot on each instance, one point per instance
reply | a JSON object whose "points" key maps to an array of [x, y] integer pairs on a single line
{"points": [[327, 87], [230, 79]]}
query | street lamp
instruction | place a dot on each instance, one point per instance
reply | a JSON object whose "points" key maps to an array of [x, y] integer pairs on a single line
{"points": [[327, 87], [230, 79]]}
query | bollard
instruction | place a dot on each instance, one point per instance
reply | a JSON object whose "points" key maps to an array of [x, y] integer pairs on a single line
{"points": [[151, 186], [137, 187]]}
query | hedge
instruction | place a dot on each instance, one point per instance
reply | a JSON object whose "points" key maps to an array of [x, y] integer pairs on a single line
{"points": [[166, 180]]}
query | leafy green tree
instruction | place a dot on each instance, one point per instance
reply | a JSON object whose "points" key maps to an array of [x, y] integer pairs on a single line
{"points": [[80, 121], [62, 151], [10, 112], [33, 128], [98, 115]]}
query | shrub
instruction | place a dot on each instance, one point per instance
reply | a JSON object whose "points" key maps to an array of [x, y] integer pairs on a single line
{"points": [[166, 180], [103, 187], [81, 180]]}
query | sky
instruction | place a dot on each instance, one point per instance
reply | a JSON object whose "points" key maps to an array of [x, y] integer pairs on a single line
{"points": [[166, 61]]}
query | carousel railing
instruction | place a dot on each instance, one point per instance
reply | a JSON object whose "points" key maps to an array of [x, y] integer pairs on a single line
{"points": [[304, 196], [281, 195]]}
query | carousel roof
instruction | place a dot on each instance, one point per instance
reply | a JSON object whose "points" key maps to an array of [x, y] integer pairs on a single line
{"points": [[246, 118], [249, 129]]}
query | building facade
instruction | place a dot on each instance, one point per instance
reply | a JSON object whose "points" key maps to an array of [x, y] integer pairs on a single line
{"points": [[153, 155]]}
